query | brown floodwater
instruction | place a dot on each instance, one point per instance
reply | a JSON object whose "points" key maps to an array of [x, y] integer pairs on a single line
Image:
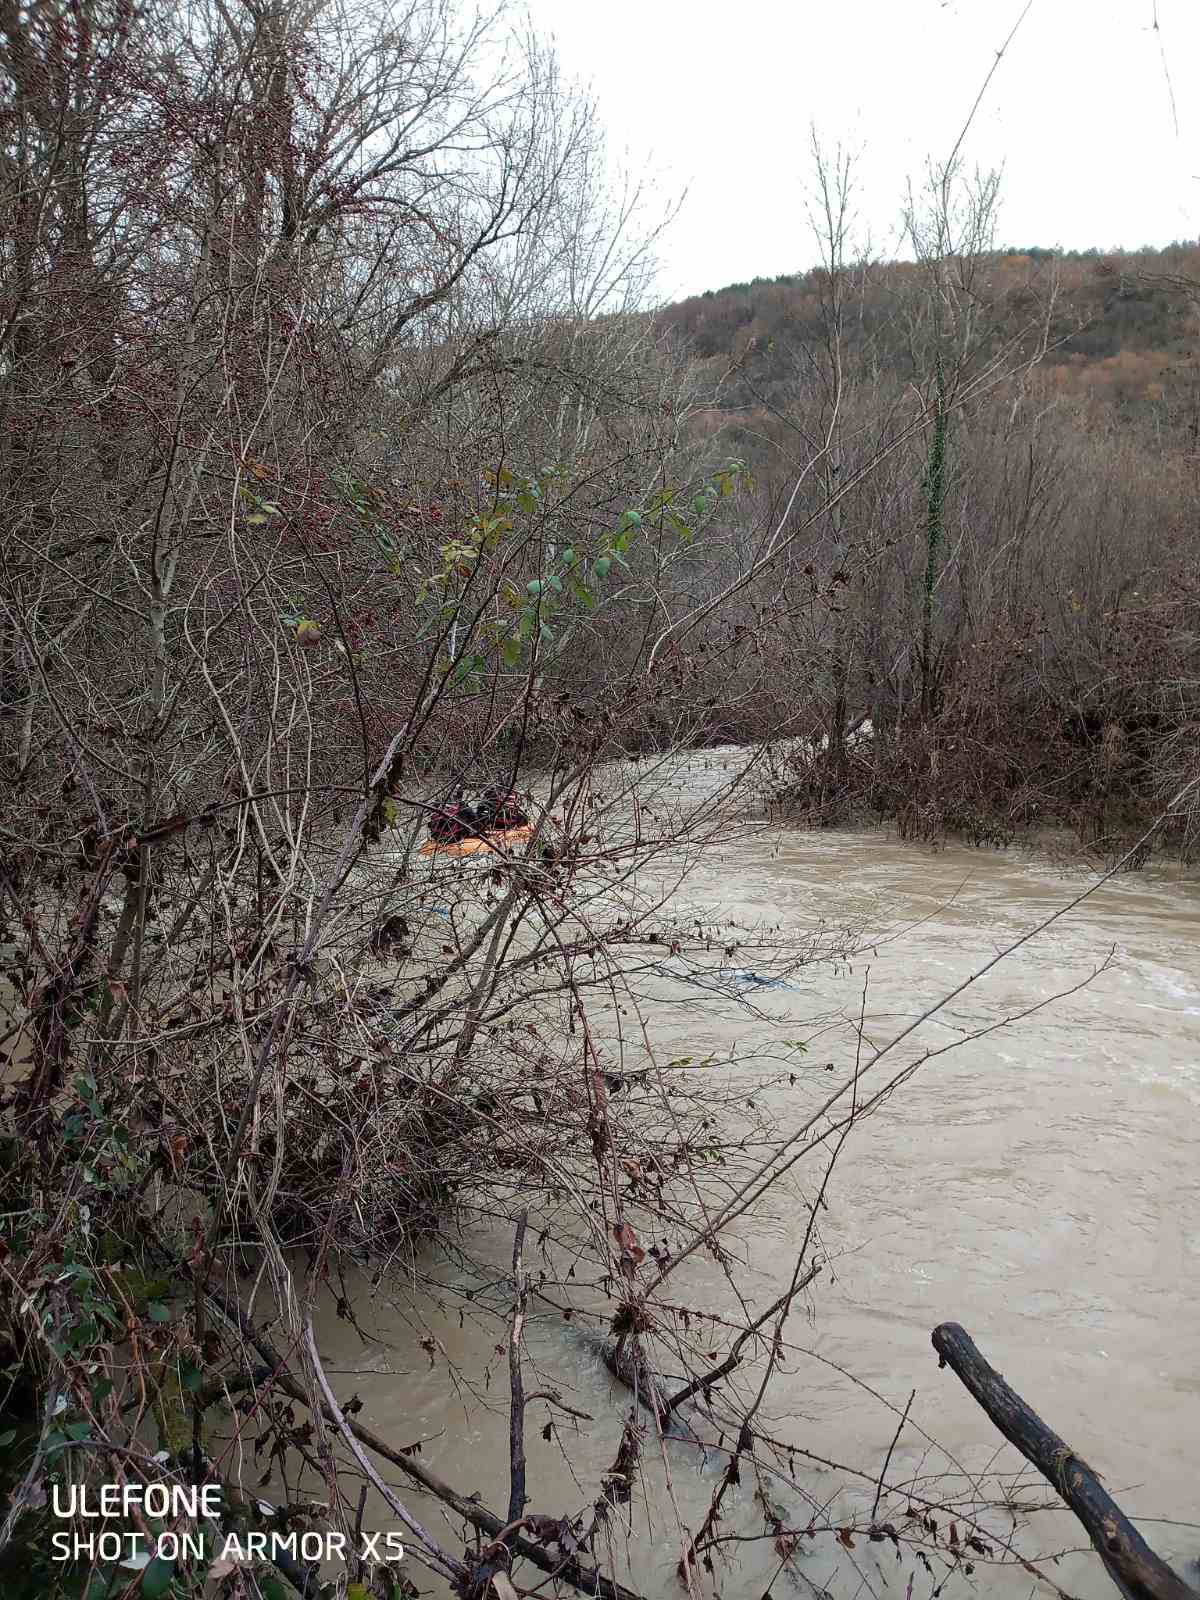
{"points": [[1038, 1185]]}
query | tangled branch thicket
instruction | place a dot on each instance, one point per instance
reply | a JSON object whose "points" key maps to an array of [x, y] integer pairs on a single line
{"points": [[340, 467]]}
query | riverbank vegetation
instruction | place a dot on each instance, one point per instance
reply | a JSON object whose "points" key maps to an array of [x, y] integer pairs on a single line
{"points": [[344, 460], [1010, 600]]}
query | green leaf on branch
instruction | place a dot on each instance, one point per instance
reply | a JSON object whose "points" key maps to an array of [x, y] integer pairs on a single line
{"points": [[157, 1578], [467, 668]]}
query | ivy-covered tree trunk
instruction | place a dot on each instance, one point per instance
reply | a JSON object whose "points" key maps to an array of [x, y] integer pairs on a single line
{"points": [[935, 500]]}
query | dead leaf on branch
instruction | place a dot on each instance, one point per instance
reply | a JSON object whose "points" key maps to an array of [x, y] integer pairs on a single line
{"points": [[627, 1240]]}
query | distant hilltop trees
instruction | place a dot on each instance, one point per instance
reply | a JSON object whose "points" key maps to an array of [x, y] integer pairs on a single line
{"points": [[1106, 304]]}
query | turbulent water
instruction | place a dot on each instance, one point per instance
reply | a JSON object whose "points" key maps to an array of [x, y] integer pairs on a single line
{"points": [[1038, 1185]]}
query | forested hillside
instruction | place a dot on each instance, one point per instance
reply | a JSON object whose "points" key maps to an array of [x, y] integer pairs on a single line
{"points": [[1122, 326]]}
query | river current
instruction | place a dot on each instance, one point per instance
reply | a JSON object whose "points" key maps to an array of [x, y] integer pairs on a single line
{"points": [[1038, 1185]]}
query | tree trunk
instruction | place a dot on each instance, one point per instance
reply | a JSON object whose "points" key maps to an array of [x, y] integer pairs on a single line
{"points": [[935, 497], [1129, 1561]]}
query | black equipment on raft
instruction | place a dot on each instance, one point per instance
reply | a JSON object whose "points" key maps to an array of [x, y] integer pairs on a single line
{"points": [[498, 809], [452, 822]]}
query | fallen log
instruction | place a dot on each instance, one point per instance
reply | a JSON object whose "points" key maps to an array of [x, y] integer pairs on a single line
{"points": [[1129, 1561]]}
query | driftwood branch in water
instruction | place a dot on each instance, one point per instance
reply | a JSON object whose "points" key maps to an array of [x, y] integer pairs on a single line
{"points": [[496, 1556], [630, 1367], [1135, 1569], [517, 1498], [708, 1379]]}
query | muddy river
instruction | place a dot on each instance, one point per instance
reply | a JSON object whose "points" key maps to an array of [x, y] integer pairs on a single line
{"points": [[1039, 1185]]}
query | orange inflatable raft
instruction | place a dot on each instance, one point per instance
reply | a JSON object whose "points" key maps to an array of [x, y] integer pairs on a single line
{"points": [[508, 839]]}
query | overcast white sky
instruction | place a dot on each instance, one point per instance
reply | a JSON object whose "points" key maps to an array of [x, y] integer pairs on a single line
{"points": [[718, 98]]}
